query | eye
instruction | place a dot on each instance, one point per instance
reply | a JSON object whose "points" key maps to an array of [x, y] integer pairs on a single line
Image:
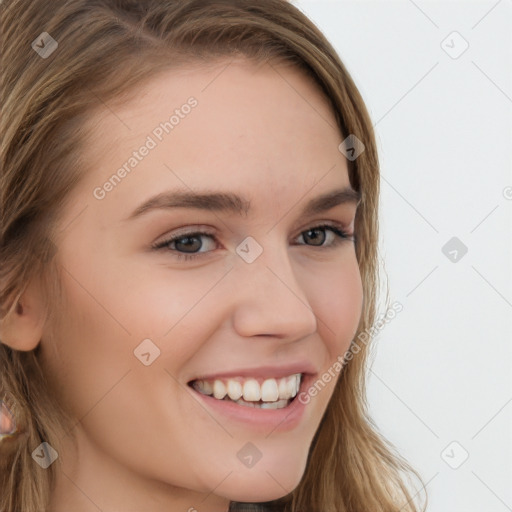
{"points": [[191, 243]]}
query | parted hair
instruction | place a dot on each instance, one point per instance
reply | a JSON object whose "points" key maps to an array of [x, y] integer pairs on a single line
{"points": [[106, 49]]}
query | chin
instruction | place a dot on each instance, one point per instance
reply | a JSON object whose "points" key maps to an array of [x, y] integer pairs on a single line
{"points": [[266, 483]]}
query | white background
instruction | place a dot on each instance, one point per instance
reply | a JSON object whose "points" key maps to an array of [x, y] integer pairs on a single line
{"points": [[442, 369]]}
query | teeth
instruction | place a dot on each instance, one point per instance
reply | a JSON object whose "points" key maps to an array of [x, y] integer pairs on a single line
{"points": [[270, 391], [289, 386], [219, 390], [203, 386], [245, 404], [234, 389], [283, 388], [264, 405], [274, 405], [207, 387], [252, 391]]}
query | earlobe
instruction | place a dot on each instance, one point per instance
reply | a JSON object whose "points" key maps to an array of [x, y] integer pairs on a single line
{"points": [[22, 328]]}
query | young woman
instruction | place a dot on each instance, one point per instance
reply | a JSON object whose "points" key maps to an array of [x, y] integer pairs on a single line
{"points": [[189, 197]]}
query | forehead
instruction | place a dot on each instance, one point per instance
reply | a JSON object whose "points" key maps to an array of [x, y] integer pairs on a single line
{"points": [[234, 124]]}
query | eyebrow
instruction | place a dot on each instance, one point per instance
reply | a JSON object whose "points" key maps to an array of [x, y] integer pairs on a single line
{"points": [[233, 203]]}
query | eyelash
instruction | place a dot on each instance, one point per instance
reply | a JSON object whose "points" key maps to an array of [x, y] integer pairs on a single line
{"points": [[341, 234]]}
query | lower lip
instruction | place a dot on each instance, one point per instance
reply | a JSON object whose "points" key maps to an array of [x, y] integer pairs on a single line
{"points": [[278, 420]]}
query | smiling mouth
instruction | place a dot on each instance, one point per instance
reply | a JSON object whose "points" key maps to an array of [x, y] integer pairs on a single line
{"points": [[251, 392]]}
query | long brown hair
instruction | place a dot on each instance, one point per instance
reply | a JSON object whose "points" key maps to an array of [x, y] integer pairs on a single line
{"points": [[105, 49]]}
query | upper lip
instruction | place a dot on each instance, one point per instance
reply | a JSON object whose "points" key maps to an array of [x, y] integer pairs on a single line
{"points": [[270, 371]]}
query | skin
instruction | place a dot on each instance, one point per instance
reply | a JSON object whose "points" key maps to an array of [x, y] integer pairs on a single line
{"points": [[144, 441]]}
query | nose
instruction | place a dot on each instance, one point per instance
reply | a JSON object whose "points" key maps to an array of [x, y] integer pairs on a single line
{"points": [[269, 299]]}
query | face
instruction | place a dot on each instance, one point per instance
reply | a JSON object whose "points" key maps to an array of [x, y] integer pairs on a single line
{"points": [[240, 301]]}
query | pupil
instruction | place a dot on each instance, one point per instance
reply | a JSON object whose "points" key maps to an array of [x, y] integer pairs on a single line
{"points": [[313, 231], [189, 240]]}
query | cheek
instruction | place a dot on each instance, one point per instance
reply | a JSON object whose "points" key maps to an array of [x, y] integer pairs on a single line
{"points": [[336, 296], [88, 351], [178, 310]]}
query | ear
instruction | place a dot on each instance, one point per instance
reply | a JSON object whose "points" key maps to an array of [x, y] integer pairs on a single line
{"points": [[22, 328]]}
